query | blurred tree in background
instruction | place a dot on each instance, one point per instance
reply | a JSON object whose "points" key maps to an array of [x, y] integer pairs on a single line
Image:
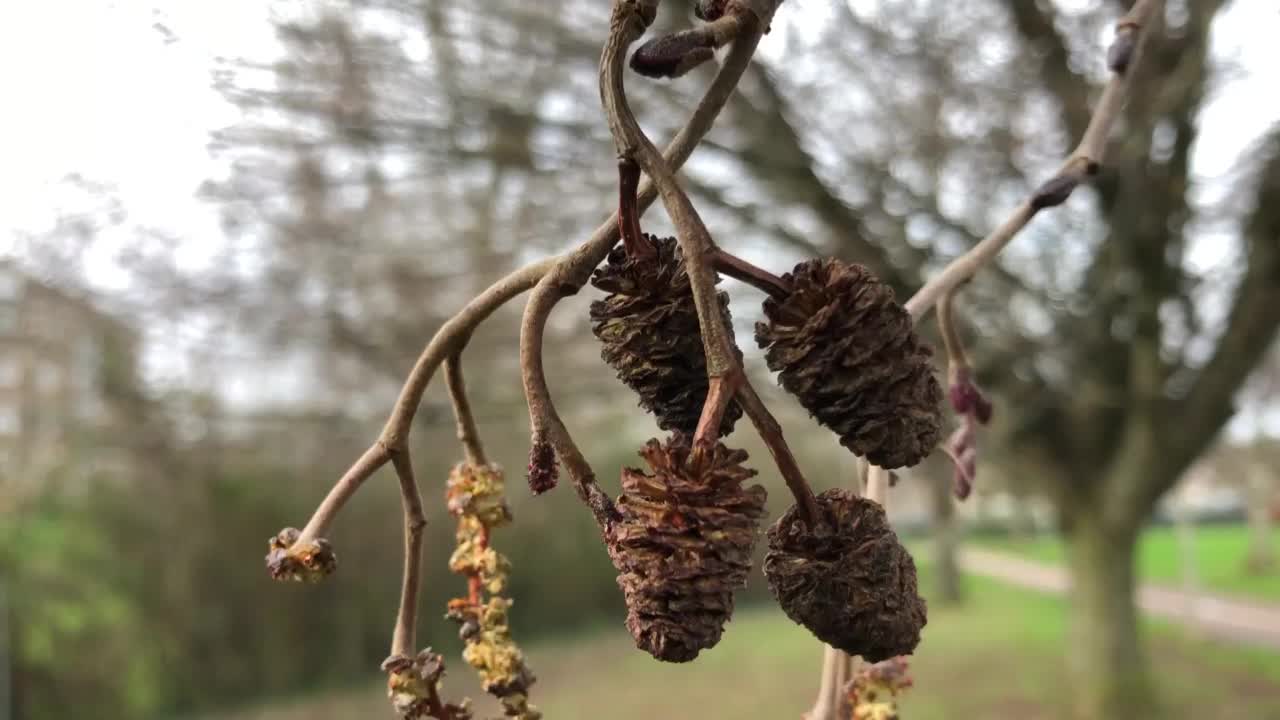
{"points": [[399, 155]]}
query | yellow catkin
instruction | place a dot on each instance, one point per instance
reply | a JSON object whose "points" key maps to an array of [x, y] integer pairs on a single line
{"points": [[476, 497], [873, 694]]}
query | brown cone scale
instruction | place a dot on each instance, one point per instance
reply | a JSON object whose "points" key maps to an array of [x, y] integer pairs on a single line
{"points": [[847, 579], [684, 544], [648, 326], [846, 349]]}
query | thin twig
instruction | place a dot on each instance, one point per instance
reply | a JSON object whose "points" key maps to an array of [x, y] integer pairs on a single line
{"points": [[403, 639], [544, 418], [720, 392], [957, 358], [837, 669], [628, 22], [629, 212], [318, 526], [757, 277], [468, 434], [574, 271], [1133, 31], [878, 485], [771, 432], [449, 340]]}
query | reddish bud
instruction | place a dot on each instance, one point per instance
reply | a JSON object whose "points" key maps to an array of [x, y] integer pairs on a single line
{"points": [[962, 397], [1054, 191], [671, 56], [968, 399], [1120, 54]]}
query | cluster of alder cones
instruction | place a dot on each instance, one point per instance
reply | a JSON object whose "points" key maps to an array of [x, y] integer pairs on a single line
{"points": [[846, 349]]}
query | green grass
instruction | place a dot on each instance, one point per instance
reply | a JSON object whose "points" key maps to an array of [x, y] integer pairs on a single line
{"points": [[1219, 559], [1000, 656]]}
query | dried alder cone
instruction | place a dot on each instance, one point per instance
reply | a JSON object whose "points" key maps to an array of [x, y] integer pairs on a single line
{"points": [[847, 579], [684, 544], [648, 325], [842, 345]]}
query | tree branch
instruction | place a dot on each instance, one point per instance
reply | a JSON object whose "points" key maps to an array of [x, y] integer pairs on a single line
{"points": [[403, 638], [448, 340], [1250, 330], [771, 433], [628, 22], [757, 277], [544, 420], [575, 270], [468, 434], [1131, 36]]}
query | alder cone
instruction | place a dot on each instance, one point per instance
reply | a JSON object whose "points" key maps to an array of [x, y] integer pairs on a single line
{"points": [[648, 326], [684, 544], [842, 345], [847, 579]]}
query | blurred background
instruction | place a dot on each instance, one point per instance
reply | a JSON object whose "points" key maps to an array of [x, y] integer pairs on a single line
{"points": [[229, 228]]}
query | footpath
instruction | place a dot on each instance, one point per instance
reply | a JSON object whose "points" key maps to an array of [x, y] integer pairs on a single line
{"points": [[1216, 616]]}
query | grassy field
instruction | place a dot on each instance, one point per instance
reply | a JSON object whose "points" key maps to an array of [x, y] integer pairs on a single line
{"points": [[999, 657], [1220, 559]]}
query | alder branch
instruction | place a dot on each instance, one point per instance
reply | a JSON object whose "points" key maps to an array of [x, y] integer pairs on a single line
{"points": [[957, 358], [771, 433], [1133, 31], [453, 336], [574, 270], [403, 638], [468, 434], [629, 20], [449, 340], [544, 419], [739, 269], [629, 211]]}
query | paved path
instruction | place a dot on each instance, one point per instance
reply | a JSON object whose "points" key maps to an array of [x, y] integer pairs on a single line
{"points": [[1229, 619]]}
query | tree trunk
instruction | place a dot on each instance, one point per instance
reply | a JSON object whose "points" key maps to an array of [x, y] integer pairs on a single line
{"points": [[946, 536], [1022, 522], [1109, 667], [1262, 557]]}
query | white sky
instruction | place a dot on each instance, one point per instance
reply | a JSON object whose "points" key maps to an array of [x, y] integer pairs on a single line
{"points": [[92, 87]]}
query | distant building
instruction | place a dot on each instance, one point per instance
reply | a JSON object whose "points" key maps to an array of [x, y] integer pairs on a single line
{"points": [[60, 360]]}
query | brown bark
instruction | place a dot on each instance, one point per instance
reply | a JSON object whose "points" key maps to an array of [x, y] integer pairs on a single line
{"points": [[1108, 664], [1260, 490], [946, 536]]}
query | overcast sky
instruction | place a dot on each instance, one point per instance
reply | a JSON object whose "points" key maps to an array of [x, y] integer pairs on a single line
{"points": [[119, 92]]}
